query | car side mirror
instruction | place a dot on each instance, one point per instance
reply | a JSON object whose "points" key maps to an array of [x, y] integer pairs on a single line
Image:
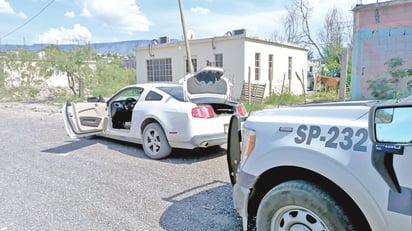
{"points": [[99, 99]]}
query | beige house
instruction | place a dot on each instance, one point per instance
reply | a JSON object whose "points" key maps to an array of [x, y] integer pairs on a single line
{"points": [[245, 59]]}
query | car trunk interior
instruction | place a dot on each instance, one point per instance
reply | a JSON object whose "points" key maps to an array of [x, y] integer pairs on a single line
{"points": [[220, 108]]}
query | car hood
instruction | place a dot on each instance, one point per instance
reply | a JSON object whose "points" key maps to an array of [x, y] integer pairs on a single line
{"points": [[207, 86]]}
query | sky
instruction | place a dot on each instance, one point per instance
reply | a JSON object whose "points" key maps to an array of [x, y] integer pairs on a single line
{"points": [[26, 22]]}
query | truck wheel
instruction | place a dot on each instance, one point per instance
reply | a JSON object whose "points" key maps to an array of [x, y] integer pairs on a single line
{"points": [[155, 143], [300, 205]]}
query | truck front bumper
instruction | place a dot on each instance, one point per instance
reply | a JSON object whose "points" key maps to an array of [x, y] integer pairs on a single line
{"points": [[241, 194]]}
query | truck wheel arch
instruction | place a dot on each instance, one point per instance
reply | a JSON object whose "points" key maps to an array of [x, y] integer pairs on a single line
{"points": [[275, 176]]}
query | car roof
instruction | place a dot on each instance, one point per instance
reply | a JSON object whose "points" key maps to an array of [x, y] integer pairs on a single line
{"points": [[156, 84]]}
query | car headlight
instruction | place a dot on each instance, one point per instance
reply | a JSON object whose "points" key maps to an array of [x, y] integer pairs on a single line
{"points": [[248, 143]]}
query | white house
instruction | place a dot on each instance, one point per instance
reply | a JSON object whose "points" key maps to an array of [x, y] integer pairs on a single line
{"points": [[245, 59]]}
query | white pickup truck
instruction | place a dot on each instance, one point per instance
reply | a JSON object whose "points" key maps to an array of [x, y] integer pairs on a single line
{"points": [[332, 166]]}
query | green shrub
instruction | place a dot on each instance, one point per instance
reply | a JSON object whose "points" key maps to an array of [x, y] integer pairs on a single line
{"points": [[285, 99], [33, 92]]}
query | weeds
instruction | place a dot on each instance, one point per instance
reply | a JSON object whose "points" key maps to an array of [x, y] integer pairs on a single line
{"points": [[277, 100]]}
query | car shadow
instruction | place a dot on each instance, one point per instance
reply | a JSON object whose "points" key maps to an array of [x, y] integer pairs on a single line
{"points": [[70, 146], [210, 207], [195, 155], [178, 156]]}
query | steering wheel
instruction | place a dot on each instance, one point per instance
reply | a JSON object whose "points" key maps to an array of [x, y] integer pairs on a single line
{"points": [[129, 103]]}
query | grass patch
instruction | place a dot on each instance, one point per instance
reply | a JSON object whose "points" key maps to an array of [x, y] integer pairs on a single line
{"points": [[285, 99], [277, 100], [253, 107]]}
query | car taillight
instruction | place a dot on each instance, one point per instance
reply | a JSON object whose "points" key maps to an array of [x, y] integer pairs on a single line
{"points": [[241, 110], [203, 112]]}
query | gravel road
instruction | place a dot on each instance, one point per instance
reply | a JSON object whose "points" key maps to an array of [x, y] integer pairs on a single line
{"points": [[51, 182]]}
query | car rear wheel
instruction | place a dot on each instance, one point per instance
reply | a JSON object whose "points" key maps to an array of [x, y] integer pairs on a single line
{"points": [[155, 143], [300, 205]]}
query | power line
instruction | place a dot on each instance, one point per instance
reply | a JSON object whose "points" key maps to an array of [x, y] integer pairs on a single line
{"points": [[29, 20]]}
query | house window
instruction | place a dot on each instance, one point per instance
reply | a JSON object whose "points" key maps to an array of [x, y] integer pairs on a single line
{"points": [[159, 70], [194, 65], [219, 60], [257, 66], [270, 64]]}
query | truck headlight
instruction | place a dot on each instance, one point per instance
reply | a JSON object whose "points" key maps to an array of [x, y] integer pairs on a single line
{"points": [[248, 143]]}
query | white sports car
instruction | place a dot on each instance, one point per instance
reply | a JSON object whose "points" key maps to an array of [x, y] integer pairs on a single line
{"points": [[160, 116]]}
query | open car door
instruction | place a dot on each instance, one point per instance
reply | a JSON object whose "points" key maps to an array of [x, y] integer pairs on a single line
{"points": [[207, 86], [84, 119]]}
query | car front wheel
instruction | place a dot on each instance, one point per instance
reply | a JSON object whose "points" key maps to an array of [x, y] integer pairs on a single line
{"points": [[300, 205], [155, 144]]}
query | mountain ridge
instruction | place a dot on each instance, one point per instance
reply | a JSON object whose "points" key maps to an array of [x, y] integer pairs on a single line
{"points": [[122, 47]]}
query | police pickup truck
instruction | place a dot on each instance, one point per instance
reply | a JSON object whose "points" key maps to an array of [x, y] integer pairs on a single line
{"points": [[332, 166]]}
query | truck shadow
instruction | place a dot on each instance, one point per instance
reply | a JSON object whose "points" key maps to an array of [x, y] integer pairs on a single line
{"points": [[210, 206]]}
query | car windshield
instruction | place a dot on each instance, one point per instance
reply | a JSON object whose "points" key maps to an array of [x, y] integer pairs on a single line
{"points": [[129, 93], [175, 91]]}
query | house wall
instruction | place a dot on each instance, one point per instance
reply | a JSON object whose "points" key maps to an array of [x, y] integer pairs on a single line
{"points": [[238, 55], [281, 54], [203, 50], [382, 31], [233, 49]]}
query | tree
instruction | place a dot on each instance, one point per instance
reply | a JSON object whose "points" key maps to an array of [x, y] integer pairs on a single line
{"points": [[110, 76], [29, 70], [22, 68], [331, 37], [76, 64], [328, 42], [291, 22]]}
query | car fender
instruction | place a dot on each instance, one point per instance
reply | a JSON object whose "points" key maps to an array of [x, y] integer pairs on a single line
{"points": [[141, 119]]}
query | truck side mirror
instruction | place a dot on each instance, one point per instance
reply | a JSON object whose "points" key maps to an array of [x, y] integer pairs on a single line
{"points": [[390, 129], [391, 124]]}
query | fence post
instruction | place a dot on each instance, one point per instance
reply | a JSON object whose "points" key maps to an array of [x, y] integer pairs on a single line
{"points": [[249, 87], [81, 88], [270, 81]]}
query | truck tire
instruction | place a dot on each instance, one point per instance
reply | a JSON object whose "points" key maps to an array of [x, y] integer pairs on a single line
{"points": [[155, 144], [300, 205]]}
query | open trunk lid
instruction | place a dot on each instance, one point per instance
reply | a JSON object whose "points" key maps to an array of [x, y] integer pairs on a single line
{"points": [[207, 86]]}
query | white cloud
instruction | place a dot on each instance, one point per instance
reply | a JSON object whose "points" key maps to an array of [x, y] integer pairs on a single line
{"points": [[5, 8], [69, 14], [200, 10], [123, 16], [86, 13], [79, 34], [21, 15]]}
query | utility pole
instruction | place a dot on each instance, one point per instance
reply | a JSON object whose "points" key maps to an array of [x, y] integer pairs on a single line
{"points": [[189, 57]]}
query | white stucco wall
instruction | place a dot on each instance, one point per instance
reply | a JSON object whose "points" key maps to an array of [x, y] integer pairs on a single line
{"points": [[281, 54]]}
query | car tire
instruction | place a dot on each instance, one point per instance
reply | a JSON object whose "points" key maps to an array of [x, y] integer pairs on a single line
{"points": [[300, 205], [155, 144]]}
